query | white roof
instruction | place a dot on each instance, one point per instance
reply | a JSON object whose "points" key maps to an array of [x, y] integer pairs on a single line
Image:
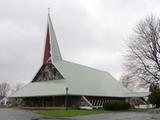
{"points": [[80, 80]]}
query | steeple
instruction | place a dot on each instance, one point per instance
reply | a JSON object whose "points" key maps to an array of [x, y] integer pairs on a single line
{"points": [[52, 52]]}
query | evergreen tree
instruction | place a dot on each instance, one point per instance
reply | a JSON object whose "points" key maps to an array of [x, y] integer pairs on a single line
{"points": [[154, 97]]}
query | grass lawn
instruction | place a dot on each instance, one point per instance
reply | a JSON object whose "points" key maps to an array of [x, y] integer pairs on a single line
{"points": [[69, 113]]}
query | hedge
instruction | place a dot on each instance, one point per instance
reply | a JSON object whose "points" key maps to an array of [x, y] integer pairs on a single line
{"points": [[116, 105]]}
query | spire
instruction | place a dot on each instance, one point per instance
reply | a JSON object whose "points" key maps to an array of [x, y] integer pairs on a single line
{"points": [[52, 52]]}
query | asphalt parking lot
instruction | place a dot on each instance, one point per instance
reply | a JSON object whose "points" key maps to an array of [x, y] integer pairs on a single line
{"points": [[19, 114]]}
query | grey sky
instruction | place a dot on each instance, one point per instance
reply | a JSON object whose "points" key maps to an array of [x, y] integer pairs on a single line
{"points": [[89, 32]]}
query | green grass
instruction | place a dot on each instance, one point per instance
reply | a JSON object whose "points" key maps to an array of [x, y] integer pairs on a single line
{"points": [[69, 113]]}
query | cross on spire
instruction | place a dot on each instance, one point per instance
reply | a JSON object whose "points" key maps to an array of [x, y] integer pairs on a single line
{"points": [[48, 10]]}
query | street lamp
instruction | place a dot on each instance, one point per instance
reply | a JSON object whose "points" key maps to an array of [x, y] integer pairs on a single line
{"points": [[66, 100]]}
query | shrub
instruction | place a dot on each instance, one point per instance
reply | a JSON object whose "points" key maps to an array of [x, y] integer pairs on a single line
{"points": [[116, 105], [154, 97]]}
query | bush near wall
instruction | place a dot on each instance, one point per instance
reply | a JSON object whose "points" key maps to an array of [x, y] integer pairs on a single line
{"points": [[154, 97], [116, 105]]}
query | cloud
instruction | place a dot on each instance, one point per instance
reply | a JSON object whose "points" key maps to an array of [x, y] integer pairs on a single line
{"points": [[89, 32]]}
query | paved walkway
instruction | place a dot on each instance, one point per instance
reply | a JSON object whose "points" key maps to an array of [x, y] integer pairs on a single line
{"points": [[18, 114]]}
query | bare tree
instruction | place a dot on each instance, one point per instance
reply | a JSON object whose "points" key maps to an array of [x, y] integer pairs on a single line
{"points": [[4, 89], [143, 59], [17, 87], [127, 82]]}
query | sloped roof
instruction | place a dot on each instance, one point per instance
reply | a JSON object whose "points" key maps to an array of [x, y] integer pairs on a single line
{"points": [[46, 88], [80, 80]]}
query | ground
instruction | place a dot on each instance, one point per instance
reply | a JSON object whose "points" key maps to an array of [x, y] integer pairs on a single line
{"points": [[18, 114], [70, 112]]}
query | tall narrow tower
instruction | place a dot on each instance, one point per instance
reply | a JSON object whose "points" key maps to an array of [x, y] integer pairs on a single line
{"points": [[51, 55], [52, 52]]}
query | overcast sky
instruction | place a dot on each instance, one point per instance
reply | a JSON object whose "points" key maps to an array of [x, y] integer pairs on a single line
{"points": [[89, 32]]}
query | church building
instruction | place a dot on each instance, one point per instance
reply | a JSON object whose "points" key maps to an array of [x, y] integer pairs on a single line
{"points": [[60, 83]]}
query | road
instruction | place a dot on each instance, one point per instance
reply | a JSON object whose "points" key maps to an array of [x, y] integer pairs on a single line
{"points": [[18, 114]]}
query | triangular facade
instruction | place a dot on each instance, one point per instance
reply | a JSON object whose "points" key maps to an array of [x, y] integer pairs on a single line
{"points": [[48, 72]]}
